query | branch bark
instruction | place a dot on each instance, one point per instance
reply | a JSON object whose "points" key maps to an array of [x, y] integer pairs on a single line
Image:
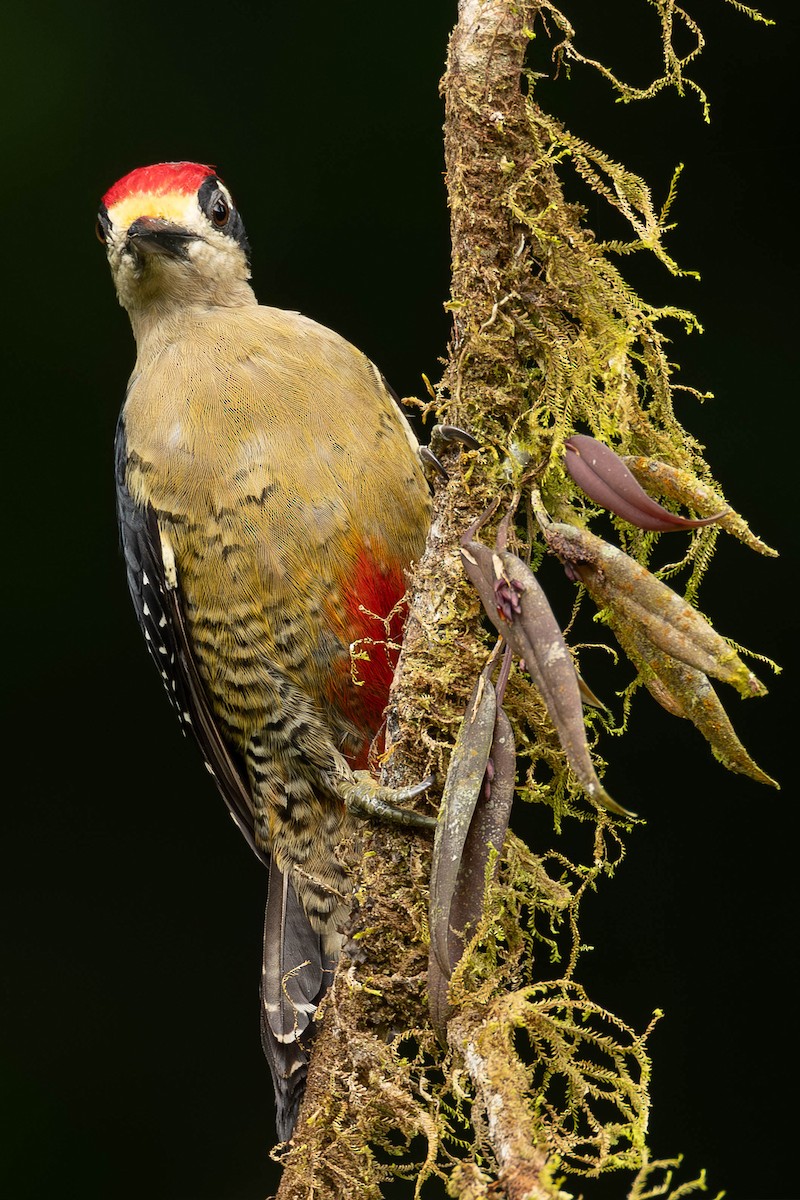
{"points": [[546, 335], [380, 985]]}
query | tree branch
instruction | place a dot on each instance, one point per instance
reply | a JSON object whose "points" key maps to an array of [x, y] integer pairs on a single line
{"points": [[546, 335]]}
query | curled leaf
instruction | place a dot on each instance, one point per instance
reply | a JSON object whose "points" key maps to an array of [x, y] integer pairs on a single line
{"points": [[587, 695], [463, 786], [686, 488], [518, 608], [438, 1004], [473, 819], [487, 829], [634, 596], [605, 478], [686, 692]]}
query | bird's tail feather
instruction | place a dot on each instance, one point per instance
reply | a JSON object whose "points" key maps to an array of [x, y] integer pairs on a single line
{"points": [[297, 970]]}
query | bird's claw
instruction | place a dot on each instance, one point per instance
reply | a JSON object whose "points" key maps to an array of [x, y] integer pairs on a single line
{"points": [[443, 436], [430, 460], [365, 798]]}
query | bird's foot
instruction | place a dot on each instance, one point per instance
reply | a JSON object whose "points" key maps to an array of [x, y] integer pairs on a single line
{"points": [[443, 436], [365, 798]]}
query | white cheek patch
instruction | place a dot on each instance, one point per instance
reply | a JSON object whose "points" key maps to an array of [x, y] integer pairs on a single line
{"points": [[209, 257]]}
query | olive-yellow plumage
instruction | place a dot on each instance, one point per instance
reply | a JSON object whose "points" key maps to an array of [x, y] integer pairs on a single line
{"points": [[271, 500]]}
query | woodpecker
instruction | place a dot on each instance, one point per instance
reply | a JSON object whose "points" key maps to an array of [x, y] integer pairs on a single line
{"points": [[271, 499]]}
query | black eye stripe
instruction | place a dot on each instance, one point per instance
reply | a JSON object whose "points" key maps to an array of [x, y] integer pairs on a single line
{"points": [[213, 200], [227, 219]]}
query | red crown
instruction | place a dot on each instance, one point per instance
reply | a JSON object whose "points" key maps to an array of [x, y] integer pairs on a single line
{"points": [[158, 180]]}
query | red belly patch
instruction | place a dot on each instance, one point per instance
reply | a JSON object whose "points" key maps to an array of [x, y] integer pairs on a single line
{"points": [[373, 615]]}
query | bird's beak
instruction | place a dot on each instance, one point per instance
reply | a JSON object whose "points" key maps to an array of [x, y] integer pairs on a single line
{"points": [[154, 235]]}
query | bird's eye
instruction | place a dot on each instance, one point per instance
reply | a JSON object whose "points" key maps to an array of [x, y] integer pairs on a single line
{"points": [[220, 212]]}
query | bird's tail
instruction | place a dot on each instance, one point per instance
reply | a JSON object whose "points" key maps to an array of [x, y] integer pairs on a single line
{"points": [[297, 970]]}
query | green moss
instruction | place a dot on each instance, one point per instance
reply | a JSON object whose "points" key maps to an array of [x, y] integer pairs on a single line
{"points": [[548, 336]]}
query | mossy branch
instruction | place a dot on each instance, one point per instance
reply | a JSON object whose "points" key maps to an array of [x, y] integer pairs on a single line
{"points": [[536, 1080]]}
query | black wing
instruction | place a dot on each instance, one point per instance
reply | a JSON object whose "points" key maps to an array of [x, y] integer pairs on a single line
{"points": [[158, 610]]}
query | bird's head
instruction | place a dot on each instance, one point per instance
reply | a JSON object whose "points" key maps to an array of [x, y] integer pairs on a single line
{"points": [[173, 236]]}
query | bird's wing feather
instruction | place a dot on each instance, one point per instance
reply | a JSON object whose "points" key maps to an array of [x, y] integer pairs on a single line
{"points": [[158, 609]]}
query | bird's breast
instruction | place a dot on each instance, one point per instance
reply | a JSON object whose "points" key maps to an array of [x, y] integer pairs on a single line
{"points": [[295, 505]]}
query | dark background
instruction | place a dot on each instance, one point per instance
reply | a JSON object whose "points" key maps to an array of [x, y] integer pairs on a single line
{"points": [[131, 911]]}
